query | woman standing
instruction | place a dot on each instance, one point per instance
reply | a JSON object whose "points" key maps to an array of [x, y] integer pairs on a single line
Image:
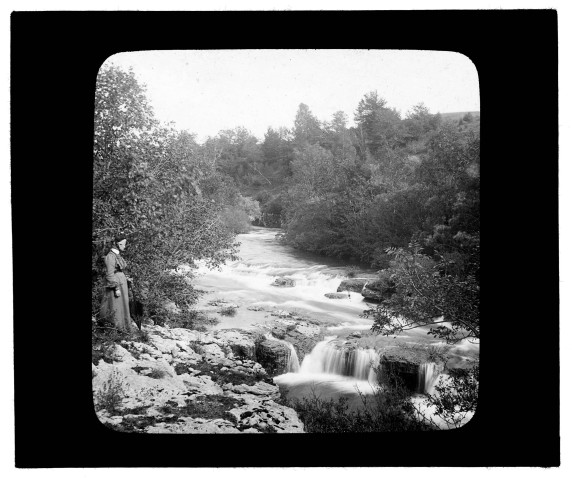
{"points": [[115, 303]]}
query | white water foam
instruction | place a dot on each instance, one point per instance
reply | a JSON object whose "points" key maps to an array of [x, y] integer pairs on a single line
{"points": [[427, 377], [293, 364]]}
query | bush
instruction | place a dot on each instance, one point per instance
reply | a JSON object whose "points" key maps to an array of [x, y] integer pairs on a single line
{"points": [[111, 394], [157, 186], [228, 311], [156, 373], [456, 396], [236, 220], [352, 271]]}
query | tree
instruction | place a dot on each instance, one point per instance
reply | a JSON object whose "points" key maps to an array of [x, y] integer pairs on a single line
{"points": [[277, 153], [147, 184], [338, 139], [430, 293], [378, 125], [238, 153], [450, 172], [468, 117], [307, 127], [419, 122]]}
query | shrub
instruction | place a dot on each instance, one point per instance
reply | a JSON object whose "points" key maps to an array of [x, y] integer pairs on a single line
{"points": [[456, 396], [228, 311], [156, 373], [352, 271], [197, 347], [235, 220], [111, 393]]}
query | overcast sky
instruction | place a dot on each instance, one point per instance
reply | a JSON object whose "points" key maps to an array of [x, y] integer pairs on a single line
{"points": [[208, 91]]}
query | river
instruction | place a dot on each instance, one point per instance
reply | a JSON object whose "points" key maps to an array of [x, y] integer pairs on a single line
{"points": [[247, 283]]}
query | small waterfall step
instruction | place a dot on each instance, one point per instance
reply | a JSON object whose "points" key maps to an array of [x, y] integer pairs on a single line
{"points": [[293, 364], [327, 357]]}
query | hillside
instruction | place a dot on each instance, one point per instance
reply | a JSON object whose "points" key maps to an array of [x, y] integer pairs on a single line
{"points": [[455, 116]]}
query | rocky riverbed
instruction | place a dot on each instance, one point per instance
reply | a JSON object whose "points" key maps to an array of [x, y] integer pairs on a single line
{"points": [[178, 380], [186, 381]]}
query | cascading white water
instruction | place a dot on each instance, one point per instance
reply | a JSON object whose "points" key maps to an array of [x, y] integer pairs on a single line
{"points": [[427, 377], [293, 362], [328, 358], [250, 282]]}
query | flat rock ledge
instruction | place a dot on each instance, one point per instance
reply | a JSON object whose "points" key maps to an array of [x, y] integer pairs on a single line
{"points": [[185, 381], [353, 284], [303, 334]]}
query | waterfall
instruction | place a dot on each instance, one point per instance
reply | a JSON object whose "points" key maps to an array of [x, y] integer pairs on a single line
{"points": [[328, 358], [427, 377], [293, 364]]}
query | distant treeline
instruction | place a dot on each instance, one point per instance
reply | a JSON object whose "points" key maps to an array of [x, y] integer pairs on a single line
{"points": [[353, 192]]}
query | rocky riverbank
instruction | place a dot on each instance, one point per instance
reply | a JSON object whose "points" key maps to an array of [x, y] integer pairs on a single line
{"points": [[186, 381]]}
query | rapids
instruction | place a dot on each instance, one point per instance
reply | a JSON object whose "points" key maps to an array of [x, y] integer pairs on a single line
{"points": [[247, 282], [328, 371]]}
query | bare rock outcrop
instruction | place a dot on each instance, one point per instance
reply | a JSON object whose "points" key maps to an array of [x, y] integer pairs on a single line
{"points": [[184, 381]]}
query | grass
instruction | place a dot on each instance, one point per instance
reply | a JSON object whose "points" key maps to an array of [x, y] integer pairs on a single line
{"points": [[192, 320], [197, 346], [111, 394], [204, 406], [156, 373], [228, 311]]}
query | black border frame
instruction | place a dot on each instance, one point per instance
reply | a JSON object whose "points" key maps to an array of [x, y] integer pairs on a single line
{"points": [[55, 57]]}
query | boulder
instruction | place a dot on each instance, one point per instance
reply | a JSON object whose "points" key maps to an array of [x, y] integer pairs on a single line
{"points": [[355, 334], [284, 282], [406, 365], [142, 388], [303, 335], [241, 343], [336, 296], [379, 289], [273, 356], [353, 285], [265, 416]]}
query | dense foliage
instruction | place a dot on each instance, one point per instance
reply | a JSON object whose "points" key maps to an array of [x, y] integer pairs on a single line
{"points": [[401, 194], [160, 188]]}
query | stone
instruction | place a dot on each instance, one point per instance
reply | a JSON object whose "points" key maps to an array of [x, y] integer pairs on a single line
{"points": [[379, 289], [261, 414], [241, 343], [260, 388], [353, 285], [284, 282], [194, 425], [405, 364], [146, 381], [255, 308], [356, 334], [336, 296], [273, 356], [301, 334], [213, 349]]}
